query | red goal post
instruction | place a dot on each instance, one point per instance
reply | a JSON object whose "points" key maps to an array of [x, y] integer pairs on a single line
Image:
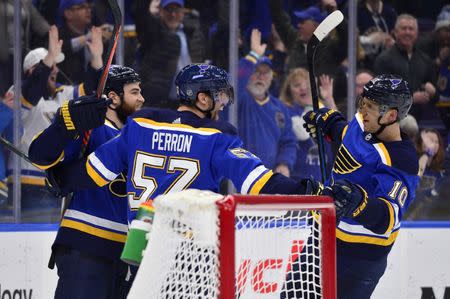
{"points": [[322, 205], [204, 245]]}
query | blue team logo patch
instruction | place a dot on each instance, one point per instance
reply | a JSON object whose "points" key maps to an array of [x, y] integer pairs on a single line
{"points": [[395, 83], [202, 71], [241, 153], [203, 68]]}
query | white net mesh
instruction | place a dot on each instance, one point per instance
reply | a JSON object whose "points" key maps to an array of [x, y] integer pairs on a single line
{"points": [[277, 251], [180, 260], [277, 255]]}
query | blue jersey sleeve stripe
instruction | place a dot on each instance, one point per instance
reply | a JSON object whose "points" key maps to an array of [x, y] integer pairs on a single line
{"points": [[95, 175], [44, 167], [344, 131], [97, 178], [37, 135], [391, 215], [352, 227], [358, 118], [259, 184], [251, 178], [384, 154], [94, 230], [101, 168], [110, 125], [354, 238], [96, 221]]}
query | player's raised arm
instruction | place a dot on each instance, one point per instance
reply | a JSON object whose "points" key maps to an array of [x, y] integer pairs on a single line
{"points": [[331, 121], [74, 118]]}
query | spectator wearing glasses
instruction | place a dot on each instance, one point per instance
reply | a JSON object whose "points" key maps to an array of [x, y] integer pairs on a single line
{"points": [[170, 39], [74, 21], [264, 121]]}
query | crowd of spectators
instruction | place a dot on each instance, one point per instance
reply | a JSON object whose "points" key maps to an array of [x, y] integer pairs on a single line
{"points": [[63, 42]]}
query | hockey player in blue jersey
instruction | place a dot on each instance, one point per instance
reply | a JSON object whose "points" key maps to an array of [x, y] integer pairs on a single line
{"points": [[94, 226], [166, 151], [377, 166]]}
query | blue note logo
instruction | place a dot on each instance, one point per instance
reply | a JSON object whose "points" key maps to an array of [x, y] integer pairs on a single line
{"points": [[395, 83]]}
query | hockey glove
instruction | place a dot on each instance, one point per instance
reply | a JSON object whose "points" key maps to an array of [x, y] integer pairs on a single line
{"points": [[324, 118], [82, 114], [311, 187], [350, 199], [298, 128]]}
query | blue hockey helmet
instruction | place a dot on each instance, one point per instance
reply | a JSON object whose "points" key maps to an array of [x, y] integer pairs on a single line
{"points": [[210, 79], [390, 92], [118, 77]]}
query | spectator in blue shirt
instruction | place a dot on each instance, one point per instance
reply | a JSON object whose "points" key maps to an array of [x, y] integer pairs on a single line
{"points": [[264, 122]]}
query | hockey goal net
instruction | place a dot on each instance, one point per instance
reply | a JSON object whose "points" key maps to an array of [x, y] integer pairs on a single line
{"points": [[204, 245]]}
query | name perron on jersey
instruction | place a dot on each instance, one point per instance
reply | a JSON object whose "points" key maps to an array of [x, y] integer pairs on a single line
{"points": [[169, 151]]}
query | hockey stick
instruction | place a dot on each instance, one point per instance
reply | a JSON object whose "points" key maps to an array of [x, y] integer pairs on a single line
{"points": [[117, 17], [11, 147], [324, 28]]}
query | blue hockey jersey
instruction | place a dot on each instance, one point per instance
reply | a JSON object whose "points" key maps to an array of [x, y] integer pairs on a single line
{"points": [[265, 127], [96, 219], [168, 151], [388, 173]]}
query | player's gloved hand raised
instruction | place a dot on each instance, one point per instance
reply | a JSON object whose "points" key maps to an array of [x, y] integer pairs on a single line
{"points": [[324, 118], [82, 114], [350, 199]]}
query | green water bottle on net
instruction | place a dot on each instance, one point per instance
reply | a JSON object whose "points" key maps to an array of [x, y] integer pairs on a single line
{"points": [[136, 239]]}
